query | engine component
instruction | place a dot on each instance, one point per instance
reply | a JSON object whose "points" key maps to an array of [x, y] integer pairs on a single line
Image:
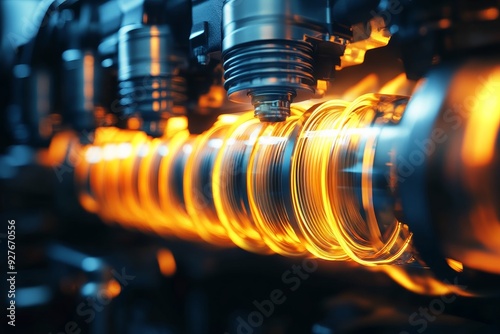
{"points": [[151, 85], [269, 52]]}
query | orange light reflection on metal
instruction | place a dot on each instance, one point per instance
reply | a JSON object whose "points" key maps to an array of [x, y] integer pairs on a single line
{"points": [[482, 130], [197, 180], [368, 84], [155, 51], [228, 190], [88, 81], [266, 184], [487, 230], [421, 282], [400, 85], [213, 99]]}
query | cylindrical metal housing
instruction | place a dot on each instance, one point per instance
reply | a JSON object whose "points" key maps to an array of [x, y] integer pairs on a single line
{"points": [[81, 87], [149, 74], [448, 164], [265, 54]]}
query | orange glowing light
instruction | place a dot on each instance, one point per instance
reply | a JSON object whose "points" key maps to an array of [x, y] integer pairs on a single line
{"points": [[486, 229], [421, 282], [113, 288], [59, 148], [99, 112], [135, 179], [289, 188], [218, 186], [489, 14], [155, 51], [444, 23], [134, 123], [88, 81], [171, 199], [400, 85], [321, 86], [455, 265], [365, 37], [213, 99], [148, 171], [229, 173], [311, 148], [166, 262], [482, 130], [175, 125], [268, 201], [156, 106], [368, 84], [88, 203], [197, 179]]}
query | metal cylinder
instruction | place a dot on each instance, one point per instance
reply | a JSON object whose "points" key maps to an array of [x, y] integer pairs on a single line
{"points": [[448, 166], [273, 75], [81, 86], [150, 83], [265, 54]]}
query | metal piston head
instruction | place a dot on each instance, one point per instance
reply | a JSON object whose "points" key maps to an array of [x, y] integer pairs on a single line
{"points": [[265, 56]]}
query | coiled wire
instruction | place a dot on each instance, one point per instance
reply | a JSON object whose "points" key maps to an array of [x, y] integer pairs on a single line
{"points": [[302, 187]]}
